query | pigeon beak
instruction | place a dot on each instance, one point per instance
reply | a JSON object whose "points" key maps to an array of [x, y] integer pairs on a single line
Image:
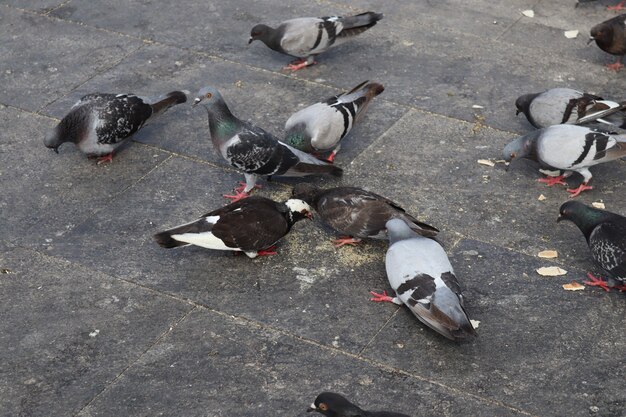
{"points": [[56, 150], [560, 218], [196, 101], [312, 407], [591, 39], [309, 215], [517, 112], [250, 40]]}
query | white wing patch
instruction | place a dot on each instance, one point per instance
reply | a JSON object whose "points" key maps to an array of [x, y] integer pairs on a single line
{"points": [[204, 240]]}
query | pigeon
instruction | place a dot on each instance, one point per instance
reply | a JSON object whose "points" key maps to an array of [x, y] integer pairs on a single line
{"points": [[320, 127], [610, 36], [423, 279], [335, 405], [99, 123], [565, 105], [569, 148], [606, 236], [306, 37], [356, 212], [252, 150], [251, 226]]}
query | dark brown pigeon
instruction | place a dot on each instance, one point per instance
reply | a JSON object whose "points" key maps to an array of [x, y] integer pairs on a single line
{"points": [[610, 36], [335, 405], [357, 213]]}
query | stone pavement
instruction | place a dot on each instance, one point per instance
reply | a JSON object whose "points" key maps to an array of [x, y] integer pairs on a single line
{"points": [[97, 320]]}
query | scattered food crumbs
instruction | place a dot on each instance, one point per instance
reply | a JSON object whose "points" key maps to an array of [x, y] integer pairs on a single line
{"points": [[407, 43], [528, 13], [476, 106], [486, 162], [548, 254], [571, 34], [475, 323], [94, 333], [598, 205], [400, 345], [541, 197], [239, 84], [5, 271], [178, 63], [551, 271], [573, 286]]}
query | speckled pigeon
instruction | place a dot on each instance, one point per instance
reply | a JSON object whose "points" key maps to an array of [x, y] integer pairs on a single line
{"points": [[569, 148], [252, 150], [320, 127], [335, 405], [306, 37], [252, 226], [566, 105], [423, 279], [356, 212], [610, 36], [99, 123], [606, 236]]}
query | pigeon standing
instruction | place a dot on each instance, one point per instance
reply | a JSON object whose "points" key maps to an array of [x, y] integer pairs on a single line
{"points": [[610, 36], [252, 226], [252, 150], [606, 236], [99, 123], [356, 212], [335, 405], [565, 105], [320, 127], [569, 148], [423, 279], [306, 37]]}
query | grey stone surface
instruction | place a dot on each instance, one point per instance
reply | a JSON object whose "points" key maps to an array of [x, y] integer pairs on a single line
{"points": [[266, 335]]}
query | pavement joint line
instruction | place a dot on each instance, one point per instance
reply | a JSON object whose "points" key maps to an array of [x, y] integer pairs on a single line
{"points": [[217, 57], [30, 112], [57, 7], [137, 359], [369, 343]]}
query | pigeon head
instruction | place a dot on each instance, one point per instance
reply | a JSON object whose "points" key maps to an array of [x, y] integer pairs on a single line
{"points": [[582, 215], [306, 192], [522, 147], [260, 32], [299, 209], [334, 405], [53, 139], [209, 96], [523, 103], [601, 33]]}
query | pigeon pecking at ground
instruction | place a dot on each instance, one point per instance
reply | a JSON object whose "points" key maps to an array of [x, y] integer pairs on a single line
{"points": [[99, 123], [252, 150], [565, 105], [610, 36], [252, 226], [306, 37], [335, 405], [356, 212], [423, 279], [606, 236], [320, 127], [569, 148]]}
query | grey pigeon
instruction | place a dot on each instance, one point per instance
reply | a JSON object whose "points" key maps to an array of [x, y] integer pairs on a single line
{"points": [[252, 226], [252, 150], [335, 405], [423, 279], [606, 236], [320, 127], [99, 123], [569, 148], [356, 212], [306, 37], [610, 36], [566, 105]]}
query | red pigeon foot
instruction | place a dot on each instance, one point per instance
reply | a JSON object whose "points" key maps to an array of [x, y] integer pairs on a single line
{"points": [[576, 191], [268, 252], [597, 282], [550, 181], [106, 159], [346, 240], [381, 298]]}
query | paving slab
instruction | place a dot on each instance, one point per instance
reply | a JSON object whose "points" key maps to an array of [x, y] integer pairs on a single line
{"points": [[45, 194], [199, 367], [435, 173], [38, 6], [539, 348], [67, 332], [254, 95], [41, 65]]}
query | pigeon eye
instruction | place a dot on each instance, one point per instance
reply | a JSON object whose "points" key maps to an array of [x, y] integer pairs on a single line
{"points": [[209, 95], [323, 407]]}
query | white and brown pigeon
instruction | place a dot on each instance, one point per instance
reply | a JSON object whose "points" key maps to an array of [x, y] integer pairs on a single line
{"points": [[422, 277], [320, 127], [331, 404], [251, 226], [606, 236], [356, 212], [569, 148], [566, 105], [99, 123], [306, 37], [252, 150]]}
